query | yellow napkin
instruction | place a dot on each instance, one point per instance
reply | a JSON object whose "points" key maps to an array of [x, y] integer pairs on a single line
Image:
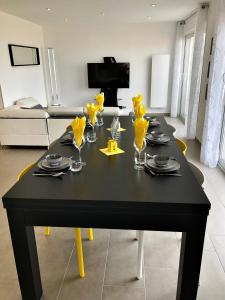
{"points": [[78, 126], [137, 100], [100, 100], [140, 129], [92, 111], [139, 110]]}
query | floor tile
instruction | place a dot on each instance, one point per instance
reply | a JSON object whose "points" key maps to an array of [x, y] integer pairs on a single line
{"points": [[90, 287], [161, 283], [219, 244], [121, 269], [212, 279], [161, 250], [123, 293]]}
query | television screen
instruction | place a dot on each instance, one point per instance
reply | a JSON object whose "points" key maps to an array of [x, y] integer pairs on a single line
{"points": [[101, 75]]}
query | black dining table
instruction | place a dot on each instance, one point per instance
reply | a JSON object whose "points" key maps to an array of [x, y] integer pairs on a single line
{"points": [[109, 193]]}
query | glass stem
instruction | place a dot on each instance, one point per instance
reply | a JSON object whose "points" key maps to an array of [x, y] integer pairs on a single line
{"points": [[139, 156], [80, 158]]}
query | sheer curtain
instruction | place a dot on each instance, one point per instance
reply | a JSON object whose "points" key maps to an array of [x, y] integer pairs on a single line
{"points": [[177, 70], [216, 89], [196, 75]]}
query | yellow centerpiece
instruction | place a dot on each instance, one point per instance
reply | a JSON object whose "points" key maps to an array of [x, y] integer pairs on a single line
{"points": [[140, 130], [139, 110], [100, 98], [92, 111], [78, 125], [137, 100]]}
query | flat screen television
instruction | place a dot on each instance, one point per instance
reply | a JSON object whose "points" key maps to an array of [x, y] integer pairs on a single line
{"points": [[106, 75]]}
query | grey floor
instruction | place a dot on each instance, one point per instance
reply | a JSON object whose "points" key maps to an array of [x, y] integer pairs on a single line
{"points": [[110, 260]]}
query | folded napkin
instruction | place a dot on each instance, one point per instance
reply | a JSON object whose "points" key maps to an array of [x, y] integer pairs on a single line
{"points": [[140, 130], [100, 100], [137, 100], [139, 110], [92, 110], [78, 126]]}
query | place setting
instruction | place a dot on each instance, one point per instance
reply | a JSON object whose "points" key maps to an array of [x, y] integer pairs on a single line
{"points": [[53, 165], [157, 137], [153, 121], [162, 165]]}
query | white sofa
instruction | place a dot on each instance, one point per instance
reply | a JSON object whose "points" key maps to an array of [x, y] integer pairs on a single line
{"points": [[23, 127], [38, 127]]}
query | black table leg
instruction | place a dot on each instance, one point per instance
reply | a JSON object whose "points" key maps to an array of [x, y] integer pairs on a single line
{"points": [[25, 253], [190, 263]]}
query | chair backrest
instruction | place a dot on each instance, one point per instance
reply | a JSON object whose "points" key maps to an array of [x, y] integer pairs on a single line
{"points": [[24, 171], [182, 145]]}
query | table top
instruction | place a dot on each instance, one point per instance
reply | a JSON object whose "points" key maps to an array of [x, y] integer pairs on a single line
{"points": [[112, 181]]}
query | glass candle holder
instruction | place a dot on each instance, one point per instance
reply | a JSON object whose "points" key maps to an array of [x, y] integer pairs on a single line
{"points": [[100, 121], [91, 135]]}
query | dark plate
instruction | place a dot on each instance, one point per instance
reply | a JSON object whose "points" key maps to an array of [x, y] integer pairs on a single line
{"points": [[43, 164], [173, 165]]}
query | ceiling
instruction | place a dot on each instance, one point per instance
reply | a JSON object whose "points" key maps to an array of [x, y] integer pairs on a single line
{"points": [[75, 11]]}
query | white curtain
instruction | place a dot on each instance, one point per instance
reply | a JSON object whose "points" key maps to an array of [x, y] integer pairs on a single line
{"points": [[216, 89], [196, 75], [177, 70]]}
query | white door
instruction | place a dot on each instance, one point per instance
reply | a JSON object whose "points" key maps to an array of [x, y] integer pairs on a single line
{"points": [[185, 92]]}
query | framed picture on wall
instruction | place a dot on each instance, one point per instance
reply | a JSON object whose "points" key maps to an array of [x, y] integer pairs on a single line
{"points": [[23, 55]]}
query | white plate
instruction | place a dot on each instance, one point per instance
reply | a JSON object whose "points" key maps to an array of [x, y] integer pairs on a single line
{"points": [[173, 165], [44, 165]]}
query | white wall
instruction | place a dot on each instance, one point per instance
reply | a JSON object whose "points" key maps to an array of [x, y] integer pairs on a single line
{"points": [[19, 82], [135, 43]]}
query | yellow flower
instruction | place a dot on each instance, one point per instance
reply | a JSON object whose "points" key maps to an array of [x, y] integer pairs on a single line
{"points": [[78, 125], [137, 100], [140, 130], [140, 110], [92, 111], [100, 100]]}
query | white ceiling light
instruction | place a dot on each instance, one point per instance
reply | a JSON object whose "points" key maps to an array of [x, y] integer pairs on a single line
{"points": [[48, 9], [102, 13], [154, 5]]}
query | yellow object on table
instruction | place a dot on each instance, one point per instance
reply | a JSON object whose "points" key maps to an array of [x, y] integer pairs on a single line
{"points": [[119, 130], [100, 98], [137, 100], [78, 125], [92, 110], [112, 148], [139, 110], [140, 130]]}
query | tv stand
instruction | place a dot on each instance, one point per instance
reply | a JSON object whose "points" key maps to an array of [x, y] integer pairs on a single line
{"points": [[110, 96]]}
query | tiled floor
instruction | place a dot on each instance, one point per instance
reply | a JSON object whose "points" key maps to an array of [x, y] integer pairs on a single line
{"points": [[110, 260]]}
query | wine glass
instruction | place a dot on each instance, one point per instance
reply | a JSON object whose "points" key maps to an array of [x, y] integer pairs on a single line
{"points": [[140, 156], [91, 135], [76, 165]]}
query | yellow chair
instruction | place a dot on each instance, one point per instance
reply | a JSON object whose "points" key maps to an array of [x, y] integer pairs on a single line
{"points": [[198, 174], [182, 145], [77, 232]]}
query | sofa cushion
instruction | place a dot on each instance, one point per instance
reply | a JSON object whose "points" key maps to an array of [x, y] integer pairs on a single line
{"points": [[61, 111], [15, 112], [27, 102]]}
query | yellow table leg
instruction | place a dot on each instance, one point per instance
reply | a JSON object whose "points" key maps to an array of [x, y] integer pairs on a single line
{"points": [[79, 252], [90, 234], [47, 231]]}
